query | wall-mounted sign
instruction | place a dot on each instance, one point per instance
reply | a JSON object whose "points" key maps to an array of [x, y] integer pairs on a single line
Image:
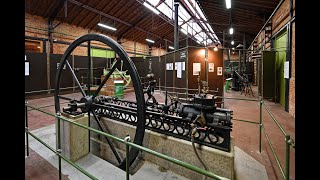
{"points": [[179, 70], [219, 71], [169, 66], [183, 55], [183, 66], [58, 64], [26, 68], [211, 67], [286, 69], [196, 68]]}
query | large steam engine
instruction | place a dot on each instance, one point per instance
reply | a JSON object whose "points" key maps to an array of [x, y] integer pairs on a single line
{"points": [[196, 119]]}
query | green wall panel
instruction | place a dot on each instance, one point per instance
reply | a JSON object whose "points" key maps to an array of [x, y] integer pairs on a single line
{"points": [[280, 45], [102, 53]]}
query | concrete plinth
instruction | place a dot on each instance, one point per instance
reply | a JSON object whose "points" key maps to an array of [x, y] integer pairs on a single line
{"points": [[217, 161], [74, 139]]}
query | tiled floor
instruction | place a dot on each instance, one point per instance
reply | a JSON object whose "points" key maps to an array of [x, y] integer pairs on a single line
{"points": [[246, 135]]}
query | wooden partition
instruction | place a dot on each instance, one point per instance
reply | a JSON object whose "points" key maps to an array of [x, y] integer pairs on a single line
{"points": [[211, 70], [37, 78]]}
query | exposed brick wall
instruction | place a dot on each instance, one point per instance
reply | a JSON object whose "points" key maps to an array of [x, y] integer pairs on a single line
{"points": [[68, 33], [233, 57], [292, 93], [156, 52], [279, 19]]}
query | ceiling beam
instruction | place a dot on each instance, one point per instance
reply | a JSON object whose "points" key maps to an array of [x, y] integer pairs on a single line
{"points": [[111, 17]]}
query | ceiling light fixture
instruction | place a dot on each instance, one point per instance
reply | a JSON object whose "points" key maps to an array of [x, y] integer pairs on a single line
{"points": [[170, 47], [232, 42], [228, 4], [149, 40], [151, 8], [239, 46], [231, 30], [107, 27]]}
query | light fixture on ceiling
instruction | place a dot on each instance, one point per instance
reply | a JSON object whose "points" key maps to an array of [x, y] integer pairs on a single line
{"points": [[228, 4], [215, 48], [170, 47], [232, 42], [239, 46], [231, 30], [233, 48], [151, 8], [150, 41], [107, 27]]}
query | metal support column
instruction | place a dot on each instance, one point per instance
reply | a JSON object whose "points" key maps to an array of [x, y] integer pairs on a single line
{"points": [[244, 52], [176, 26], [89, 82], [288, 58], [206, 63]]}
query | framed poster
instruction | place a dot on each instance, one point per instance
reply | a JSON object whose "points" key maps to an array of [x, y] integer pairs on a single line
{"points": [[26, 68], [196, 68], [211, 67], [286, 69], [219, 71], [179, 70]]}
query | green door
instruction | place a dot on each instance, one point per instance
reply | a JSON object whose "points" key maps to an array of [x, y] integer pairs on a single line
{"points": [[280, 47]]}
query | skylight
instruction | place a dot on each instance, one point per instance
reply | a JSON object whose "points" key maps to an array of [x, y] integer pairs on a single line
{"points": [[197, 28]]}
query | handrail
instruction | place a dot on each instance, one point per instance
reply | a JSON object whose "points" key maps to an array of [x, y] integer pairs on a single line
{"points": [[63, 157], [173, 160], [288, 140], [275, 120], [274, 153]]}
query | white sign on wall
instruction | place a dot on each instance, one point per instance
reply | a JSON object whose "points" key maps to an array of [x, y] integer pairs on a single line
{"points": [[286, 69], [26, 68], [219, 71], [196, 68], [211, 67], [183, 66], [58, 64], [179, 70], [169, 66]]}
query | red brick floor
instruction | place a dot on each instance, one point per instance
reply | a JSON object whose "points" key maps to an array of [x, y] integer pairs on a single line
{"points": [[37, 168], [246, 135]]}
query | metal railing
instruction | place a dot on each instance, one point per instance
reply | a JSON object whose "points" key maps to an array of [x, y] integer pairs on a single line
{"points": [[289, 142], [126, 141]]}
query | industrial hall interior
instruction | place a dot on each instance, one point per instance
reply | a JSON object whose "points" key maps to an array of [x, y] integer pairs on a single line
{"points": [[159, 89]]}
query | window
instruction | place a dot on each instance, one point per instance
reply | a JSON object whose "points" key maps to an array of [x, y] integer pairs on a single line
{"points": [[33, 46]]}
